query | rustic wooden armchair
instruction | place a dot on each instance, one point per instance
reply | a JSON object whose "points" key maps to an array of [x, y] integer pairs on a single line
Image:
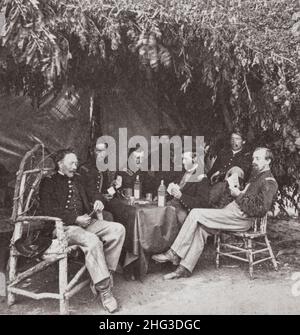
{"points": [[247, 245], [34, 166]]}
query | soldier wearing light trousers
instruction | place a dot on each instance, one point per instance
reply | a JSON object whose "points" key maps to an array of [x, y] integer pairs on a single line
{"points": [[63, 195], [197, 227], [101, 243], [254, 201]]}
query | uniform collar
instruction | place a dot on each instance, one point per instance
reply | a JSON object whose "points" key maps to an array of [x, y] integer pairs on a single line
{"points": [[236, 152], [63, 176], [255, 176]]}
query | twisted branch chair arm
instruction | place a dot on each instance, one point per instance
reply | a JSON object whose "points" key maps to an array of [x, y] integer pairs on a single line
{"points": [[37, 218]]}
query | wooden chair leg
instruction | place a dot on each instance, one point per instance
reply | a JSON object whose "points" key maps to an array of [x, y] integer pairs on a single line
{"points": [[13, 262], [12, 273], [218, 242], [245, 241], [250, 257], [271, 253], [63, 282]]}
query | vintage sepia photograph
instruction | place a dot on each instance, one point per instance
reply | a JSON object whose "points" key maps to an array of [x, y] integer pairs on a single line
{"points": [[149, 158]]}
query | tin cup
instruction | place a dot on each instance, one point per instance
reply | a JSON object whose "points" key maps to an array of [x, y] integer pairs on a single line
{"points": [[131, 200], [128, 192]]}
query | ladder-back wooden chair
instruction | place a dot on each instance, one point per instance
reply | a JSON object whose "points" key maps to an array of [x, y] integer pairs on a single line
{"points": [[34, 166], [246, 246]]}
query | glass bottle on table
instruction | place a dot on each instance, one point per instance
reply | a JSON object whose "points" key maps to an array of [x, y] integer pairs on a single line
{"points": [[137, 188], [161, 195]]}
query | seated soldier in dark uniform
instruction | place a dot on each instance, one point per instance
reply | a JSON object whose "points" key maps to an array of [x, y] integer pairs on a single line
{"points": [[236, 158], [134, 168], [236, 155], [63, 195], [99, 183], [254, 201]]}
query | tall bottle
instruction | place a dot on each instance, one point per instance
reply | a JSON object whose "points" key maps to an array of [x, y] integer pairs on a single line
{"points": [[161, 195], [137, 188]]}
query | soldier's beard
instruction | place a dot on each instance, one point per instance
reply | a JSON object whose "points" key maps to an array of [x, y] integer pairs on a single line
{"points": [[70, 174], [255, 171]]}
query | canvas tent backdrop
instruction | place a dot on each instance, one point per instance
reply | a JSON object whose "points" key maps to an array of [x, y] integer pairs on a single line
{"points": [[65, 121], [59, 123]]}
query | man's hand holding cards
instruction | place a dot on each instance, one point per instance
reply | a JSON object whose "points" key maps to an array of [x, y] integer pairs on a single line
{"points": [[234, 185], [174, 190]]}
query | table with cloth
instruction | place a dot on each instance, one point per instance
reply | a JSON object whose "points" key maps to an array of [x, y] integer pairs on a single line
{"points": [[149, 230]]}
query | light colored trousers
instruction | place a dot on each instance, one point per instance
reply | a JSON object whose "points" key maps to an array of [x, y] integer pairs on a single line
{"points": [[101, 243], [192, 237]]}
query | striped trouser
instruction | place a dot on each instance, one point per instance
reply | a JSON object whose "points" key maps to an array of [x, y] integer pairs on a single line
{"points": [[101, 243]]}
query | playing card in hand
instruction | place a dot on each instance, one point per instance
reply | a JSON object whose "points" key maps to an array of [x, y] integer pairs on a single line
{"points": [[171, 187], [233, 181]]}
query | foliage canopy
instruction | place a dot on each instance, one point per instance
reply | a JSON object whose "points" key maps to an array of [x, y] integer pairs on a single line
{"points": [[245, 52]]}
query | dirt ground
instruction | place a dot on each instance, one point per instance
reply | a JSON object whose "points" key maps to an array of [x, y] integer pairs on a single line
{"points": [[227, 290]]}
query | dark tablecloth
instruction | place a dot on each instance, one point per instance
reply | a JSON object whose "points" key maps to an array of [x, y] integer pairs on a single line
{"points": [[149, 230]]}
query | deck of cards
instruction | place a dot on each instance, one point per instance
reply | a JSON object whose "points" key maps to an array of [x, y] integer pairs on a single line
{"points": [[171, 187]]}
